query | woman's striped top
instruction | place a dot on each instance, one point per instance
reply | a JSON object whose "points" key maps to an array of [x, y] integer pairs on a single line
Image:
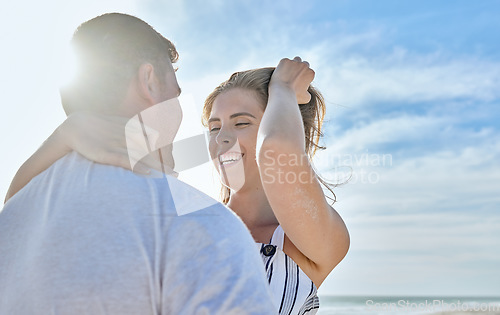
{"points": [[293, 291]]}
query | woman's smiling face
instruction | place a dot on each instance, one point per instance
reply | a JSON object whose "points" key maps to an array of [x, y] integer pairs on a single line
{"points": [[233, 126]]}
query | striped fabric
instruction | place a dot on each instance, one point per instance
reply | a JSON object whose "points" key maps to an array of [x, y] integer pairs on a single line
{"points": [[293, 291]]}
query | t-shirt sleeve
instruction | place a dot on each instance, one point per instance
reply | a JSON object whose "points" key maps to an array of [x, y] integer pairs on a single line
{"points": [[213, 268]]}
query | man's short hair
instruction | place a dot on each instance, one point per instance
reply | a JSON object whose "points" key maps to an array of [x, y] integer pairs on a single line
{"points": [[109, 50]]}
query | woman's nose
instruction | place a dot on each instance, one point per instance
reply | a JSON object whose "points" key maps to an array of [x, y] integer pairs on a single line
{"points": [[224, 137]]}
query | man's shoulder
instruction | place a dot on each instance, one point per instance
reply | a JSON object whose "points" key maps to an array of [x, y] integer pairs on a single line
{"points": [[77, 175], [75, 182]]}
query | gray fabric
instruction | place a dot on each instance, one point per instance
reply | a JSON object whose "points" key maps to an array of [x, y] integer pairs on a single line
{"points": [[85, 238]]}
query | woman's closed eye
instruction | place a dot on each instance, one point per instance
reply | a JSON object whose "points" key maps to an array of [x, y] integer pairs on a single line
{"points": [[217, 128]]}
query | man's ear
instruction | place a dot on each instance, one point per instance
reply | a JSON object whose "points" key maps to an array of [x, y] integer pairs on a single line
{"points": [[148, 84]]}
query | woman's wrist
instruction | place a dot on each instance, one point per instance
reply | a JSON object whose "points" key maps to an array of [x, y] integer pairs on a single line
{"points": [[60, 139]]}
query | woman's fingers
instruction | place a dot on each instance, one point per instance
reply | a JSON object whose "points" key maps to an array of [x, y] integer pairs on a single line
{"points": [[295, 70], [298, 59]]}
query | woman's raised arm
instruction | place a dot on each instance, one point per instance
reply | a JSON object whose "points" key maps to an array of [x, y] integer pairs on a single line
{"points": [[289, 181]]}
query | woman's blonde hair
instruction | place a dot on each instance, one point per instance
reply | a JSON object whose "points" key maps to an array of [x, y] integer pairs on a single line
{"points": [[257, 80]]}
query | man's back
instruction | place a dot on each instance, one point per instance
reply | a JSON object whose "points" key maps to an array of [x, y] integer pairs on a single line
{"points": [[85, 238]]}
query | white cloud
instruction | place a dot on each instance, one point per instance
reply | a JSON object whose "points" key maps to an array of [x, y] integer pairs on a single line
{"points": [[402, 78], [428, 219], [419, 254], [366, 135], [434, 181]]}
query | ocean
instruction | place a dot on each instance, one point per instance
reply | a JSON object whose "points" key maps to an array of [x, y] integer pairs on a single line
{"points": [[408, 305]]}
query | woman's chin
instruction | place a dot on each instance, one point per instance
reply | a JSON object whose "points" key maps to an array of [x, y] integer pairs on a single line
{"points": [[235, 184], [232, 175]]}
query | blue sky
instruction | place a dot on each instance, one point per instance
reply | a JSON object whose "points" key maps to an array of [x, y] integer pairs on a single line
{"points": [[418, 81]]}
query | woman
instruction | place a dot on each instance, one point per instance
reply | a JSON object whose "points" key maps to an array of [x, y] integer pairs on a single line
{"points": [[261, 142]]}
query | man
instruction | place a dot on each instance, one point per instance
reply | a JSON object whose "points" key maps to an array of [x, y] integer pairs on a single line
{"points": [[87, 238]]}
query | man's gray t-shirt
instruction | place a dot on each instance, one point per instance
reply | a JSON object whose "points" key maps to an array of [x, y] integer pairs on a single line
{"points": [[85, 238]]}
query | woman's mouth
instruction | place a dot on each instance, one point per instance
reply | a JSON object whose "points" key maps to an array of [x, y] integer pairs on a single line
{"points": [[230, 158]]}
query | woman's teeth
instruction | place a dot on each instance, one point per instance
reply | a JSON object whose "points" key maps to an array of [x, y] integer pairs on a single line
{"points": [[229, 158]]}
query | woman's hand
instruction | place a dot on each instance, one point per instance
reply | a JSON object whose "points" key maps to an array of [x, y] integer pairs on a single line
{"points": [[282, 120], [296, 75]]}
